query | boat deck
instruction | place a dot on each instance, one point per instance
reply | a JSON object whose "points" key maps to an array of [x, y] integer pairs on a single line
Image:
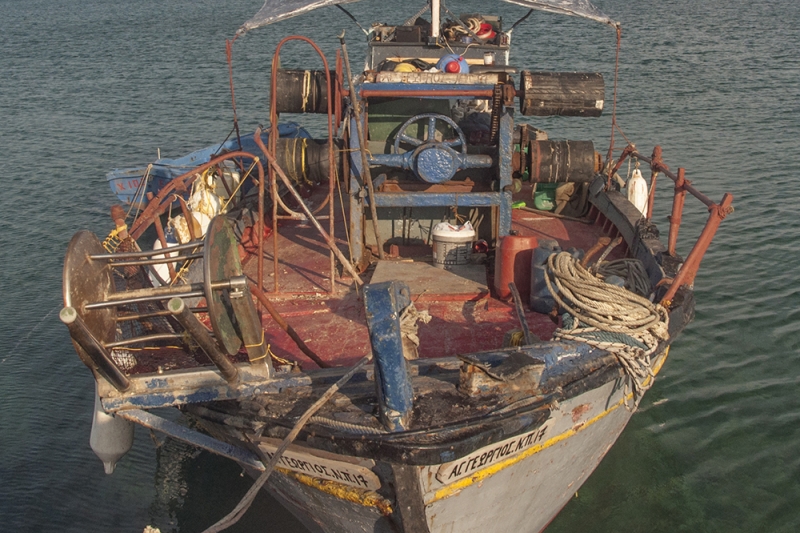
{"points": [[466, 315]]}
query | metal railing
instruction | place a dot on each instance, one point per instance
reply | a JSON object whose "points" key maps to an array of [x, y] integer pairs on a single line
{"points": [[717, 213]]}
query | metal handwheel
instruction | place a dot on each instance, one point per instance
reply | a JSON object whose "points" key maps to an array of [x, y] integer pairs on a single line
{"points": [[431, 160]]}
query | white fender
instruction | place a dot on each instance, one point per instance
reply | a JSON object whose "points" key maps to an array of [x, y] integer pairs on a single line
{"points": [[162, 269], [637, 191], [111, 437]]}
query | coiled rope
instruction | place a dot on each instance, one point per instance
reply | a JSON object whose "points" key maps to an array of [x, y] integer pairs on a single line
{"points": [[607, 317], [630, 269]]}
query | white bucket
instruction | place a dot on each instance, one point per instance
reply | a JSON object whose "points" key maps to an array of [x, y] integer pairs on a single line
{"points": [[452, 245]]}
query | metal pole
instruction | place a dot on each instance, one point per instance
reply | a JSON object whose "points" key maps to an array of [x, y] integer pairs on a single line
{"points": [[677, 212], [200, 334], [98, 353], [363, 148], [262, 298], [526, 332], [690, 266]]}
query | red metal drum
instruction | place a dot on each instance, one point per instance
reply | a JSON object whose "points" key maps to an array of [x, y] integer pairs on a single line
{"points": [[513, 263]]}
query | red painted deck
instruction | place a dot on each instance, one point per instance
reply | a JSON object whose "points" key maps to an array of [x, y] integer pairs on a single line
{"points": [[467, 317]]}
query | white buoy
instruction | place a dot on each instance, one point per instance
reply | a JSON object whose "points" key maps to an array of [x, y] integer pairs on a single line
{"points": [[111, 437], [162, 269], [637, 191]]}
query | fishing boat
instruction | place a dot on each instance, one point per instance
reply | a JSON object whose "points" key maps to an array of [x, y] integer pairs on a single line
{"points": [[435, 319]]}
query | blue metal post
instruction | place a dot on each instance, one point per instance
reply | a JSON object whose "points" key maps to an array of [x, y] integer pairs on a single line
{"points": [[383, 303]]}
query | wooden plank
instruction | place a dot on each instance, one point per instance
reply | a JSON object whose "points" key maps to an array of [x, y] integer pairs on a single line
{"points": [[424, 278]]}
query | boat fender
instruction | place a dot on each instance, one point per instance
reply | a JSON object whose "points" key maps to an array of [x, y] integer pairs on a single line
{"points": [[453, 64], [161, 269], [405, 67], [486, 32], [111, 436], [637, 191]]}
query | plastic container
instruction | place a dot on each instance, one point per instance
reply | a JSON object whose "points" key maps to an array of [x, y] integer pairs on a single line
{"points": [[544, 197], [512, 262], [637, 191], [452, 245], [541, 300]]}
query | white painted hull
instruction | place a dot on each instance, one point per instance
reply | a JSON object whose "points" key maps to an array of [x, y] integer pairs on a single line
{"points": [[523, 493], [518, 484]]}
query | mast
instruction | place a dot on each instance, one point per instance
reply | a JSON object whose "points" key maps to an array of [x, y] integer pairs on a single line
{"points": [[435, 20]]}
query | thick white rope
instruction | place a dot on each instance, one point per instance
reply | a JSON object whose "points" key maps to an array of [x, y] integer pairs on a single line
{"points": [[599, 308]]}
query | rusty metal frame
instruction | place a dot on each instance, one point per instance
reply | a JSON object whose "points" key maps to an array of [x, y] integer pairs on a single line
{"points": [[159, 204], [273, 140], [717, 213]]}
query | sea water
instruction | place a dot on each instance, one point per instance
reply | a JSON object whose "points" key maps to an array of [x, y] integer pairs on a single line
{"points": [[86, 86]]}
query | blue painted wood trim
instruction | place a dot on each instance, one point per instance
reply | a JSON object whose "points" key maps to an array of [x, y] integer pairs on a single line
{"points": [[383, 303], [428, 199]]}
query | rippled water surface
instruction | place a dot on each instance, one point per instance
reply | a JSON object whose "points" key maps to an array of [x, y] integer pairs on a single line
{"points": [[91, 85]]}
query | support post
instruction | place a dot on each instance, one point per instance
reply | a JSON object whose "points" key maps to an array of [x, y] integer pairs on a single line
{"points": [[505, 153], [692, 264], [656, 165], [98, 354], [201, 335], [677, 211]]}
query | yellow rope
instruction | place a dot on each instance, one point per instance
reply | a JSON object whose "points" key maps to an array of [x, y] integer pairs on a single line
{"points": [[112, 242], [516, 339], [256, 345], [280, 360], [241, 182]]}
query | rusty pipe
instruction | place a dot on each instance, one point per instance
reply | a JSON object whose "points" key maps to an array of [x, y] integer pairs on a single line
{"points": [[677, 211], [156, 206], [422, 93], [627, 151], [661, 167], [187, 215], [362, 142], [690, 266], [331, 151], [601, 243], [200, 334]]}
